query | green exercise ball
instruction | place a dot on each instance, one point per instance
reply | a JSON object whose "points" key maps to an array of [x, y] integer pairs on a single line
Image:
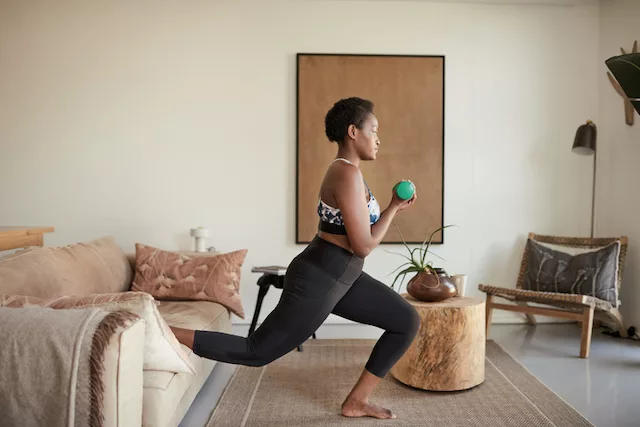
{"points": [[405, 190]]}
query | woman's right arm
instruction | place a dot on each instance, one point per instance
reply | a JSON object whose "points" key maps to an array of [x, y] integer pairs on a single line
{"points": [[363, 237]]}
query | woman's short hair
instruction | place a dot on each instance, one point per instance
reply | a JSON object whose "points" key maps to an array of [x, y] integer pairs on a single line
{"points": [[346, 112]]}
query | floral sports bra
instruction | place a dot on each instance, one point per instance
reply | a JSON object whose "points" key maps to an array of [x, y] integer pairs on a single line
{"points": [[331, 219]]}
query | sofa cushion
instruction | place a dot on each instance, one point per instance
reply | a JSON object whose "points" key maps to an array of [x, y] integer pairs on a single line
{"points": [[167, 395], [176, 276], [201, 315], [81, 269], [163, 380], [162, 406], [162, 351]]}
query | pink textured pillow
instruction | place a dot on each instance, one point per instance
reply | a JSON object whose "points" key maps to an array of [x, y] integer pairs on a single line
{"points": [[173, 276]]}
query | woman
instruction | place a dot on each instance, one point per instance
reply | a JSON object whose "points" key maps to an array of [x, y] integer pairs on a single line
{"points": [[327, 276]]}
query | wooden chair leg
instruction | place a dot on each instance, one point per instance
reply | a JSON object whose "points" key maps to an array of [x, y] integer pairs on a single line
{"points": [[530, 317], [488, 312], [596, 323], [587, 327]]}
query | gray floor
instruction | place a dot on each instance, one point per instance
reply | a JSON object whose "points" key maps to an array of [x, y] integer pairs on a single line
{"points": [[604, 388]]}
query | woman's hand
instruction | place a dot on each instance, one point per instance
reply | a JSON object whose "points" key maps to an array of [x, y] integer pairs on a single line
{"points": [[399, 203]]}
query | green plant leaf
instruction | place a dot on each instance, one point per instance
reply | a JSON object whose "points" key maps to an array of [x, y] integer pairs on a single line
{"points": [[426, 250], [411, 260], [406, 263], [419, 264], [412, 251], [404, 273], [433, 253], [403, 241]]}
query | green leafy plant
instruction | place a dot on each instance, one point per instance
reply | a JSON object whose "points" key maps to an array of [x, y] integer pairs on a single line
{"points": [[416, 263]]}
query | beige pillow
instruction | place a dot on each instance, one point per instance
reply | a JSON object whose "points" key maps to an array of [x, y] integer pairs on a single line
{"points": [[162, 351], [94, 267], [173, 276]]}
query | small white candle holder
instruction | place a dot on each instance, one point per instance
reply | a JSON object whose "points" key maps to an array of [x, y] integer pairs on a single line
{"points": [[460, 281], [200, 234]]}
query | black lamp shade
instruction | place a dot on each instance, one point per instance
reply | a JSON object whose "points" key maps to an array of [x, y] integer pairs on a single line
{"points": [[585, 140]]}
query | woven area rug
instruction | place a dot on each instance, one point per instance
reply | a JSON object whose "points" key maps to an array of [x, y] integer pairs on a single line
{"points": [[307, 388]]}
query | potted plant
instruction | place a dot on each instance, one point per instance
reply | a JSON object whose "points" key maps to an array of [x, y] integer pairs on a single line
{"points": [[429, 283]]}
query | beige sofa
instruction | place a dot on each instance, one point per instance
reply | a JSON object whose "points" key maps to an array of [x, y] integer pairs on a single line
{"points": [[133, 396]]}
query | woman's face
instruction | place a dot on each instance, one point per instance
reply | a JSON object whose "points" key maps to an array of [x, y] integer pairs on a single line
{"points": [[366, 140]]}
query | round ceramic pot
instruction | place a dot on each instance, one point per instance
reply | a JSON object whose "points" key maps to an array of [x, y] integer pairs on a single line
{"points": [[432, 287]]}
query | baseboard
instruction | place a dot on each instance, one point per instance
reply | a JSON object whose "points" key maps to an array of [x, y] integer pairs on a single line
{"points": [[356, 330]]}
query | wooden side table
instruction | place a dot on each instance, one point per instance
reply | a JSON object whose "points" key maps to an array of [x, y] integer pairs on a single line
{"points": [[448, 353]]}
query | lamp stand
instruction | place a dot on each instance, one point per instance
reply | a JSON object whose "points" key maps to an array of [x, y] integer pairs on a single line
{"points": [[593, 193], [584, 143]]}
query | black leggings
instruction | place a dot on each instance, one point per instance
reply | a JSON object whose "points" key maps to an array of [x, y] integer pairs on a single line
{"points": [[323, 279]]}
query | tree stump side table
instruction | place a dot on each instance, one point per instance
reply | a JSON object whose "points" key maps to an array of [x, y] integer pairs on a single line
{"points": [[448, 353]]}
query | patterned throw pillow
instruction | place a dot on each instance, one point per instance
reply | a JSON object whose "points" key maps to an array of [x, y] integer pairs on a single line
{"points": [[585, 272], [173, 276], [162, 351]]}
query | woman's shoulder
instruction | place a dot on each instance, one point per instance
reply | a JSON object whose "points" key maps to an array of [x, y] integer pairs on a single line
{"points": [[341, 178], [345, 170]]}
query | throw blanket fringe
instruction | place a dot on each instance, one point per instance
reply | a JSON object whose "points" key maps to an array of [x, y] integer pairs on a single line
{"points": [[109, 325]]}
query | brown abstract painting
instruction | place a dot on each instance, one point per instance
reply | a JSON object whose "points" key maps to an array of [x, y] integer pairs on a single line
{"points": [[408, 93]]}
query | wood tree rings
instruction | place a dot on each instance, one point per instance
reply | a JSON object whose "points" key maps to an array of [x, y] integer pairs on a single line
{"points": [[448, 352]]}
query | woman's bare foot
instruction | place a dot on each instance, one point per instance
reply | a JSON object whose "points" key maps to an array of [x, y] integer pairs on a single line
{"points": [[354, 408], [357, 402], [184, 336]]}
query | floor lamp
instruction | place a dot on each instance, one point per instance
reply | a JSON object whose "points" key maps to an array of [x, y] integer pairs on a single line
{"points": [[585, 144]]}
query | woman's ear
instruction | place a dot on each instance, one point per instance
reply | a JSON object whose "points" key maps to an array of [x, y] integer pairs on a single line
{"points": [[351, 131]]}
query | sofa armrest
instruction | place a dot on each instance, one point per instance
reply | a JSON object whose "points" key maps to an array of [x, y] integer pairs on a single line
{"points": [[122, 377]]}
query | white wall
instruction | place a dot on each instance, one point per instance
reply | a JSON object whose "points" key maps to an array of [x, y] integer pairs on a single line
{"points": [[618, 200], [141, 120]]}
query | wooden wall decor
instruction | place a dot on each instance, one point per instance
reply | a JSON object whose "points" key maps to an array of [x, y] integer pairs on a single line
{"points": [[629, 109], [408, 94]]}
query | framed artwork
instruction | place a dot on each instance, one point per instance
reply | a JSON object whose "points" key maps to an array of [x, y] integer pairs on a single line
{"points": [[408, 96]]}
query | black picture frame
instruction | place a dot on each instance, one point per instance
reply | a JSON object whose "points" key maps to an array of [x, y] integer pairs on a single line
{"points": [[299, 55]]}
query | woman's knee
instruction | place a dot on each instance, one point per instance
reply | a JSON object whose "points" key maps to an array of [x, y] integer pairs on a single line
{"points": [[268, 352], [405, 320], [411, 321]]}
